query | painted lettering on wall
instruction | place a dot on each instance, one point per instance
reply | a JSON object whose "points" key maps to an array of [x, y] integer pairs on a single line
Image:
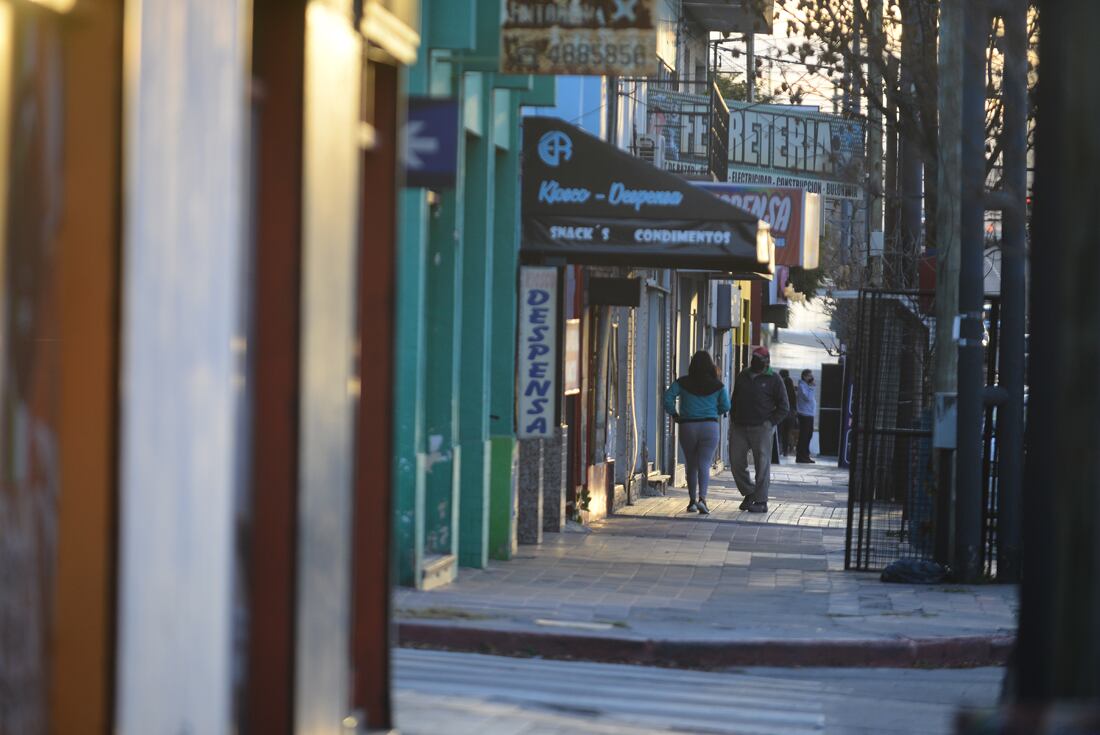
{"points": [[536, 376]]}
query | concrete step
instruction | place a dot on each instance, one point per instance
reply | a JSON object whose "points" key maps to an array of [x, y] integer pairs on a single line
{"points": [[438, 570]]}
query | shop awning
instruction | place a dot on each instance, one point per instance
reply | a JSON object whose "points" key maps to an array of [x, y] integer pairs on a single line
{"points": [[585, 201]]}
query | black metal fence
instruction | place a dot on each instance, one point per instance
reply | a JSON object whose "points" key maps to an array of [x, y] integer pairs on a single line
{"points": [[892, 489], [891, 503]]}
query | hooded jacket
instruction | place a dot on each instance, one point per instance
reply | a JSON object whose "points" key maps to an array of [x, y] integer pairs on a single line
{"points": [[701, 399]]}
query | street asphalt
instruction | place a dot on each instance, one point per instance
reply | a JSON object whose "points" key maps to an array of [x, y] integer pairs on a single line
{"points": [[460, 693]]}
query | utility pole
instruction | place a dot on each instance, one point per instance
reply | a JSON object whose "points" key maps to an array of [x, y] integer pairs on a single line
{"points": [[1010, 415], [960, 293], [911, 157], [945, 369], [971, 378], [890, 195], [1058, 645], [750, 66], [874, 118], [852, 73], [612, 83]]}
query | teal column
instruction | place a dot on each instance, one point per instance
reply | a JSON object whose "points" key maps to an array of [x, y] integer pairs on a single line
{"points": [[409, 388], [443, 458], [476, 300], [502, 481]]}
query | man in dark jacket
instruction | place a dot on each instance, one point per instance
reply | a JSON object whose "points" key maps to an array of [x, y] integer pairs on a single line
{"points": [[787, 425], [759, 404]]}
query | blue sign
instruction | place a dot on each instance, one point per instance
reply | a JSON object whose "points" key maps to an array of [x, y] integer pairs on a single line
{"points": [[431, 142], [536, 364]]}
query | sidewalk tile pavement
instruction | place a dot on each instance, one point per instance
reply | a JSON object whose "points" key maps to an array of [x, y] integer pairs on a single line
{"points": [[653, 571]]}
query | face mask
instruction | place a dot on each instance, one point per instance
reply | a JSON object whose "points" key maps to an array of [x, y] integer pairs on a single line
{"points": [[758, 364]]}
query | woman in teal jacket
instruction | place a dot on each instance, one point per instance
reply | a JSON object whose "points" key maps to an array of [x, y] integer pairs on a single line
{"points": [[702, 399]]}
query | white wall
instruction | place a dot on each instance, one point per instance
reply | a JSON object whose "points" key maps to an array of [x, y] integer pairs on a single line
{"points": [[186, 121]]}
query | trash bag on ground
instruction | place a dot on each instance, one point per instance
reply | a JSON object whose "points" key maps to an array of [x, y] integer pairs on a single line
{"points": [[914, 571]]}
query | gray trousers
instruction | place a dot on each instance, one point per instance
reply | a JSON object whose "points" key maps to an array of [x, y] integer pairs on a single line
{"points": [[758, 440], [698, 440]]}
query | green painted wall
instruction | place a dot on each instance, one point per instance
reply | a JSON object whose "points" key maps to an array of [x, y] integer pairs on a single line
{"points": [[455, 450], [502, 483], [441, 359], [476, 335], [409, 388], [502, 497], [451, 24]]}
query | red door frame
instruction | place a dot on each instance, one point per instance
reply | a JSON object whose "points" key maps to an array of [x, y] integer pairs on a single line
{"points": [[374, 475], [279, 67]]}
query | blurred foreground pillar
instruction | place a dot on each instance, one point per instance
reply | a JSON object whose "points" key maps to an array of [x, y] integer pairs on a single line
{"points": [[197, 242], [59, 188], [1059, 646], [183, 298], [1054, 678]]}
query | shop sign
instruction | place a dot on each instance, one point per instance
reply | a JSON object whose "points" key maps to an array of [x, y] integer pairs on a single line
{"points": [[677, 122], [780, 282], [571, 369], [794, 216], [431, 142], [584, 37], [796, 142], [537, 363], [768, 177], [736, 317], [586, 201]]}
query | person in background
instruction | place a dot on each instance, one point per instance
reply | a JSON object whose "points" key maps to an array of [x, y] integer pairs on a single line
{"points": [[788, 425], [807, 403], [702, 399], [759, 404]]}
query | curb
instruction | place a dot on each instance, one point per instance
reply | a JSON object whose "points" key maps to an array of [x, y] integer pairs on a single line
{"points": [[958, 652]]}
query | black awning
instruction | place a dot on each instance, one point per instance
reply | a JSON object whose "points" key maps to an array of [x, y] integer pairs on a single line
{"points": [[586, 201]]}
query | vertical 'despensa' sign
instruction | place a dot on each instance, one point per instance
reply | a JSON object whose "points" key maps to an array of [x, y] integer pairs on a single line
{"points": [[536, 376]]}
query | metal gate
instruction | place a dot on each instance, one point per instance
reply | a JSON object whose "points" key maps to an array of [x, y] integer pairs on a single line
{"points": [[891, 496], [891, 506]]}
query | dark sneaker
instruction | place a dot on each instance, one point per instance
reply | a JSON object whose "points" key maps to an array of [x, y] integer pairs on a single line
{"points": [[692, 507], [805, 460], [757, 508], [746, 503], [702, 508]]}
